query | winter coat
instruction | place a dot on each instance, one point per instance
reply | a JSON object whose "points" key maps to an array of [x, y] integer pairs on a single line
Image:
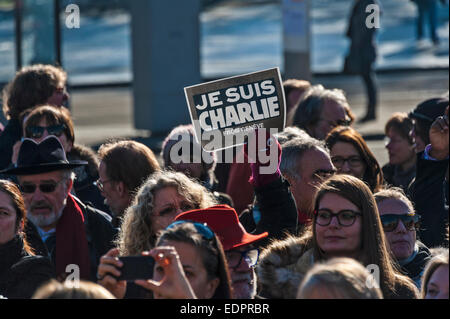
{"points": [[429, 198], [395, 177], [10, 136], [362, 48], [284, 264], [99, 231], [20, 273], [415, 265]]}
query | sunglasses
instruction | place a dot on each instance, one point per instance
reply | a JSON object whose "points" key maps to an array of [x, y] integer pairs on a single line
{"points": [[202, 229], [47, 187], [234, 258], [390, 221], [38, 131]]}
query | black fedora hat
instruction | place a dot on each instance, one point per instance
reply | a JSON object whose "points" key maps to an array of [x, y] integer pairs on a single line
{"points": [[36, 158]]}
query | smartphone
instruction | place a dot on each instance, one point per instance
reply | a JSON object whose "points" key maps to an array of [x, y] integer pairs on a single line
{"points": [[136, 267]]}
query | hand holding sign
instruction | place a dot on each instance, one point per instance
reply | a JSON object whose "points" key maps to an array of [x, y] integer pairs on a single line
{"points": [[263, 151], [224, 112]]}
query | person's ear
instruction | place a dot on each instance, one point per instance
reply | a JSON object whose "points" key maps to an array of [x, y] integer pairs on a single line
{"points": [[69, 185], [211, 287], [121, 189]]}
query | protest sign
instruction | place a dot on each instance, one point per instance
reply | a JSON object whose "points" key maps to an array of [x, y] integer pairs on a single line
{"points": [[226, 111]]}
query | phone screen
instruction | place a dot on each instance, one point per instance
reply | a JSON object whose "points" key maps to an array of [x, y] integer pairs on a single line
{"points": [[136, 267]]}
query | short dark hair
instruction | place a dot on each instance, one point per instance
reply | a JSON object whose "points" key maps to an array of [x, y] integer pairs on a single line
{"points": [[401, 123]]}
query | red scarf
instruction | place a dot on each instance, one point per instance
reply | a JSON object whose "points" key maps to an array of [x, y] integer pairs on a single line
{"points": [[71, 242]]}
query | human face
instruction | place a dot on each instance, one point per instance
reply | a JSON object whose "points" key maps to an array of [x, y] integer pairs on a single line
{"points": [[333, 115], [110, 190], [45, 209], [8, 217], [437, 287], [400, 150], [59, 97], [243, 277], [313, 169], [168, 204], [336, 240], [401, 241], [194, 170], [352, 164], [417, 133], [196, 273], [65, 142]]}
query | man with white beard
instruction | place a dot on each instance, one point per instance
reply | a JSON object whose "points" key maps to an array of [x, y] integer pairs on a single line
{"points": [[75, 234], [242, 256]]}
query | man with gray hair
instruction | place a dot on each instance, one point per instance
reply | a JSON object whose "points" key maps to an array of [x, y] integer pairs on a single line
{"points": [[320, 110], [305, 164]]}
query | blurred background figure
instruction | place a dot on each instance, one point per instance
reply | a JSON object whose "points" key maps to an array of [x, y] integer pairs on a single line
{"points": [[320, 110], [401, 169], [86, 290], [32, 86], [362, 56], [338, 278], [435, 278], [293, 91], [427, 12]]}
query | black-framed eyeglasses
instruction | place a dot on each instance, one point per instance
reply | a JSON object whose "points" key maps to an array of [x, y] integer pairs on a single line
{"points": [[390, 221], [353, 161], [235, 257], [345, 217], [101, 185], [202, 229], [47, 187], [38, 131]]}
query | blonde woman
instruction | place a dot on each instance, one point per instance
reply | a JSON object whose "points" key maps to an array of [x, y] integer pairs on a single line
{"points": [[339, 278], [164, 196]]}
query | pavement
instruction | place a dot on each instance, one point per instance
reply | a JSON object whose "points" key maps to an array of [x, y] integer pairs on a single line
{"points": [[107, 113]]}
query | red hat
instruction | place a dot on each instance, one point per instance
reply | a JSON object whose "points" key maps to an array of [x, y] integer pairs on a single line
{"points": [[223, 220]]}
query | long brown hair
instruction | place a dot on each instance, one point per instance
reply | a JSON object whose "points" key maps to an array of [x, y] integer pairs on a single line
{"points": [[373, 175], [18, 203], [373, 249]]}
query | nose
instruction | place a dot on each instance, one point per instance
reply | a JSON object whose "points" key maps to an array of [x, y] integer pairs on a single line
{"points": [[38, 195], [400, 227], [345, 167], [334, 222]]}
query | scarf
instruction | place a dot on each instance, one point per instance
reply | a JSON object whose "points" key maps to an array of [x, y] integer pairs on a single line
{"points": [[71, 242]]}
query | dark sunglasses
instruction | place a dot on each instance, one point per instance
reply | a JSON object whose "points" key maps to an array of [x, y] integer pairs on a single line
{"points": [[202, 229], [235, 257], [38, 131], [47, 187], [390, 221]]}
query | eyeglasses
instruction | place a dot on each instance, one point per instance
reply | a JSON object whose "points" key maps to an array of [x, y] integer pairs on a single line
{"points": [[47, 187], [234, 257], [345, 217], [202, 229], [390, 221], [353, 161], [101, 185], [38, 131]]}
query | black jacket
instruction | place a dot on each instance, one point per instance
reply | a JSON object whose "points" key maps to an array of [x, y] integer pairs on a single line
{"points": [[274, 211], [9, 137], [20, 273], [428, 196], [99, 231]]}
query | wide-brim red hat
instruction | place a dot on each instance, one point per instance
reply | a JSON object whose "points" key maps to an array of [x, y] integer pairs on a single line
{"points": [[224, 222]]}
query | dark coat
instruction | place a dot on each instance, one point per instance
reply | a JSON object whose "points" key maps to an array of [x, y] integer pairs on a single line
{"points": [[9, 137], [99, 231], [274, 211], [20, 273], [414, 268], [363, 47], [393, 176], [429, 198]]}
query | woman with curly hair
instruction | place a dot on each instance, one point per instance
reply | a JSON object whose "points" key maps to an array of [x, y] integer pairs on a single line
{"points": [[163, 196]]}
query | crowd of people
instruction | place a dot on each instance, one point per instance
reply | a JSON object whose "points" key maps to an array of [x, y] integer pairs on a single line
{"points": [[329, 223]]}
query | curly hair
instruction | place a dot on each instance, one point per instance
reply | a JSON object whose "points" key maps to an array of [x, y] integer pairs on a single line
{"points": [[136, 234], [32, 86]]}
